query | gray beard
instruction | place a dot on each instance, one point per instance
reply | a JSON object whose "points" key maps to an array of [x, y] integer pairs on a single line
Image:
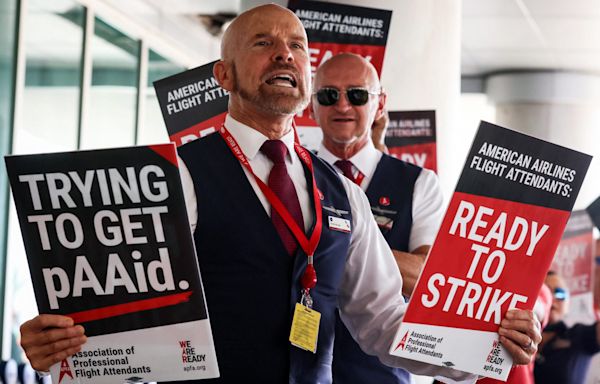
{"points": [[280, 104]]}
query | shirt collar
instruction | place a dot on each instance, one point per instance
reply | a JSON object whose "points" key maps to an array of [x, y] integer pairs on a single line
{"points": [[250, 140], [365, 160], [324, 154]]}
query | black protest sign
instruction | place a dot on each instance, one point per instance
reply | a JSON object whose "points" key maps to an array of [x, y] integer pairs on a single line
{"points": [[411, 136], [327, 22], [192, 103], [551, 179], [594, 212], [107, 237]]}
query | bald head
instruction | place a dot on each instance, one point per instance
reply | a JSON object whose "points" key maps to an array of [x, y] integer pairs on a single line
{"points": [[354, 64], [265, 66], [346, 122], [247, 21]]}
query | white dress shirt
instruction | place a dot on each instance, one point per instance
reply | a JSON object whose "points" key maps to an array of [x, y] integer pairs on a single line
{"points": [[370, 295], [428, 202]]}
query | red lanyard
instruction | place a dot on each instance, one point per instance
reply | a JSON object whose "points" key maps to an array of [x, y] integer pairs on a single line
{"points": [[308, 245], [359, 178]]}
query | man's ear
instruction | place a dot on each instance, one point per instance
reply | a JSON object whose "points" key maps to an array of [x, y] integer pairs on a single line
{"points": [[381, 105], [223, 73]]}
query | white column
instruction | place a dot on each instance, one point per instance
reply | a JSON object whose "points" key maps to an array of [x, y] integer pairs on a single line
{"points": [[421, 70], [560, 107]]}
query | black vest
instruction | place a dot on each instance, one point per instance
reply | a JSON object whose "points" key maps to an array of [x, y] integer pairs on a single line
{"points": [[390, 194], [250, 281]]}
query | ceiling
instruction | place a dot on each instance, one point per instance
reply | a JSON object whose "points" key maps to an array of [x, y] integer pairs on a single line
{"points": [[497, 35], [503, 35]]}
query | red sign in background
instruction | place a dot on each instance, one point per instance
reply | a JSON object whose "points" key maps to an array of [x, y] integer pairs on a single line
{"points": [[423, 155], [452, 258], [574, 261]]}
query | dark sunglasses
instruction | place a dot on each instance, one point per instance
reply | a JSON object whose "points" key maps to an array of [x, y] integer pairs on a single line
{"points": [[561, 294], [356, 96]]}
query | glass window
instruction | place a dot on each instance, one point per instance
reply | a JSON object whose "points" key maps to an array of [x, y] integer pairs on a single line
{"points": [[53, 50], [48, 122], [8, 15], [112, 104], [8, 18], [153, 130]]}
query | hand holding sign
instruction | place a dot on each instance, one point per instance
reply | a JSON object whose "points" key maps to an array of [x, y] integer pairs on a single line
{"points": [[520, 334], [49, 339]]}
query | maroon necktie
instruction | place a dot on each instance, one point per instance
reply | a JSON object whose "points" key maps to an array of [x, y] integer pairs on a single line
{"points": [[281, 183], [346, 167]]}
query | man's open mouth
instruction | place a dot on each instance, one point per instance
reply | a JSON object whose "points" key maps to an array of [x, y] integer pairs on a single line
{"points": [[282, 80]]}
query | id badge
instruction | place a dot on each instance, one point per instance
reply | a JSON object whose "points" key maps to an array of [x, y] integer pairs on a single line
{"points": [[305, 328], [339, 224]]}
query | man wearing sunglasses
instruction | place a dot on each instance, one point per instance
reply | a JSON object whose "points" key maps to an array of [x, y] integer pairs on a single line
{"points": [[405, 200], [565, 352]]}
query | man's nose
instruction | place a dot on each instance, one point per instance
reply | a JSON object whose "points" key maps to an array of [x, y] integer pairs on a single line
{"points": [[283, 53], [343, 104]]}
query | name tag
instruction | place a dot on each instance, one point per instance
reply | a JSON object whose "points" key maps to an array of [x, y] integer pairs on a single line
{"points": [[339, 224], [305, 328]]}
